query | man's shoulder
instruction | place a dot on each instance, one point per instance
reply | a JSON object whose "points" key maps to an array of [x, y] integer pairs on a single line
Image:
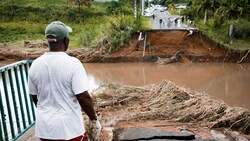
{"points": [[71, 61], [74, 59], [38, 59]]}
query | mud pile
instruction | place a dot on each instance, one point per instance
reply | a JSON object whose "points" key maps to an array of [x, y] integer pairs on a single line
{"points": [[167, 102]]}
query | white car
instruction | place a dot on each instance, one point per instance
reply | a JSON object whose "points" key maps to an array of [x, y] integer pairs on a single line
{"points": [[146, 14], [181, 7], [162, 10]]}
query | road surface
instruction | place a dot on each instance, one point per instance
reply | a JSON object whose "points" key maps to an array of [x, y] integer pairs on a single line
{"points": [[168, 21]]}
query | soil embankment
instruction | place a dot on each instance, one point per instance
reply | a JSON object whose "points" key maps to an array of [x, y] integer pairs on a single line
{"points": [[167, 43], [164, 44]]}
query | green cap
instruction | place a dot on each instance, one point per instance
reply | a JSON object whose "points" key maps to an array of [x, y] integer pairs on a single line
{"points": [[56, 31]]}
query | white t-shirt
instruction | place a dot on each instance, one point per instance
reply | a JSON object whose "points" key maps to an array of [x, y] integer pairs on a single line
{"points": [[56, 78]]}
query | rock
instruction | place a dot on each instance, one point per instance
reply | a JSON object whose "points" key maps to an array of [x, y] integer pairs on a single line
{"points": [[218, 136], [236, 136], [132, 134]]}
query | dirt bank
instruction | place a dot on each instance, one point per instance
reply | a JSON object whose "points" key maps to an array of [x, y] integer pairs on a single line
{"points": [[167, 43], [194, 48]]}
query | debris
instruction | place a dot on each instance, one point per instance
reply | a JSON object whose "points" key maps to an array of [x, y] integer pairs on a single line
{"points": [[167, 101], [175, 58], [35, 44]]}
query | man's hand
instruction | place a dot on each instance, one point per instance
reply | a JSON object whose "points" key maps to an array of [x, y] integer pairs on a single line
{"points": [[95, 129]]}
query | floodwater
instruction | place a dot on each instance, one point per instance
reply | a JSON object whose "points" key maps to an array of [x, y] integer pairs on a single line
{"points": [[223, 81]]}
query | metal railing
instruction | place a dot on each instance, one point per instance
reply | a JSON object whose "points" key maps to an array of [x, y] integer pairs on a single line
{"points": [[17, 109]]}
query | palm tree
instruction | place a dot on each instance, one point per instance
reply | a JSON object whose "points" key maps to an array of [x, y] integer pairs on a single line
{"points": [[232, 10], [206, 6]]}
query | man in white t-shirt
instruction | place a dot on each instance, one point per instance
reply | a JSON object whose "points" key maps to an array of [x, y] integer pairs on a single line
{"points": [[59, 88]]}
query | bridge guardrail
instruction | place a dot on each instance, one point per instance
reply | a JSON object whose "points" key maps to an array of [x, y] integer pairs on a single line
{"points": [[17, 109]]}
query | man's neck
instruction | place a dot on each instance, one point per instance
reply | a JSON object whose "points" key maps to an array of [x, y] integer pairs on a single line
{"points": [[56, 48]]}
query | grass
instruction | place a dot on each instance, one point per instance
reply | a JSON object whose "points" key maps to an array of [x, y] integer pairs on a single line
{"points": [[220, 35], [16, 31], [240, 44], [146, 23], [27, 20]]}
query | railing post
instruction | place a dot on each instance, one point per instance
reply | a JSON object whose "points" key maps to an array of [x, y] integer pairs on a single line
{"points": [[31, 100], [14, 100], [20, 97], [5, 136], [25, 94], [1, 135], [8, 104]]}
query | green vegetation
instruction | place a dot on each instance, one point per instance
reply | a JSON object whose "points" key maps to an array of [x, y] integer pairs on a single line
{"points": [[26, 20], [226, 22], [144, 23]]}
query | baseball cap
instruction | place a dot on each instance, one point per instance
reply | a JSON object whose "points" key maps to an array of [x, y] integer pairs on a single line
{"points": [[57, 30]]}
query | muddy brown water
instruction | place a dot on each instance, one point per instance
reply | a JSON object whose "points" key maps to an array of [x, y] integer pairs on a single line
{"points": [[223, 81]]}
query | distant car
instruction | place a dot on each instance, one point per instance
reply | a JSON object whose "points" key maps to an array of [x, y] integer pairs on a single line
{"points": [[162, 9], [181, 7], [148, 14]]}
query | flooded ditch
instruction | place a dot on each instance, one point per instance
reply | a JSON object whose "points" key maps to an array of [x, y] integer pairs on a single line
{"points": [[223, 81]]}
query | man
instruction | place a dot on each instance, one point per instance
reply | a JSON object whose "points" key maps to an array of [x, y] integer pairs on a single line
{"points": [[160, 22], [153, 16], [175, 22], [59, 88]]}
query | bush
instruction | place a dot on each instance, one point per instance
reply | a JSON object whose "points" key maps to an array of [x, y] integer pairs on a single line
{"points": [[121, 32], [243, 29]]}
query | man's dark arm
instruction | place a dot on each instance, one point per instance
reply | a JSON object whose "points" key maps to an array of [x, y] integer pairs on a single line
{"points": [[34, 98], [87, 104]]}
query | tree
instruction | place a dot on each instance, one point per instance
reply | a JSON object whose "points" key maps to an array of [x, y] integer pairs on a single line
{"points": [[121, 7], [232, 10], [169, 2], [80, 2], [171, 6], [206, 6], [155, 2], [114, 7], [162, 2]]}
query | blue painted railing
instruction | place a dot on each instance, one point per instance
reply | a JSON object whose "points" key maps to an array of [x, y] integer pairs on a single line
{"points": [[17, 109]]}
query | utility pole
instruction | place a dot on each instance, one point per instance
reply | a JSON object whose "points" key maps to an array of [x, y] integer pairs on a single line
{"points": [[135, 9], [142, 7]]}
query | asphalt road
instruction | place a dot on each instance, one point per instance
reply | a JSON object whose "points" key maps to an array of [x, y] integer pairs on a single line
{"points": [[167, 21]]}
